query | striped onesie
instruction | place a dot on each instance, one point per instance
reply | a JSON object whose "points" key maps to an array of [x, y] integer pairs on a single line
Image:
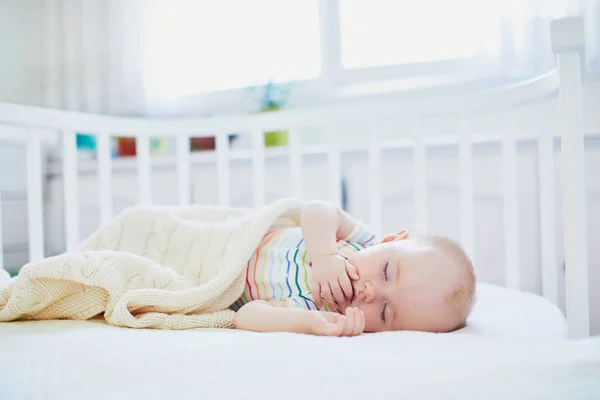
{"points": [[279, 269]]}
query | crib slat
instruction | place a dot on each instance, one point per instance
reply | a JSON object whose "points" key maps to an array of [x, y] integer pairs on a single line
{"points": [[568, 38], [295, 162], [142, 146], [547, 218], [34, 196], [420, 181], [222, 147], [104, 177], [1, 231], [258, 166], [375, 180], [466, 192], [335, 169], [511, 224], [71, 190], [183, 170]]}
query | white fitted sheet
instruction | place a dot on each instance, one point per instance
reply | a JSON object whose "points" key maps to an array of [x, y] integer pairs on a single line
{"points": [[511, 313], [513, 348]]}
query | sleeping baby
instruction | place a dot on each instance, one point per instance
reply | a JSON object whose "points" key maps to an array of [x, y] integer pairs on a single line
{"points": [[332, 277]]}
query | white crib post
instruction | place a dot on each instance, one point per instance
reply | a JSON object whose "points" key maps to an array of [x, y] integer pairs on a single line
{"points": [[104, 177], [547, 217], [183, 169], [567, 42], [465, 154], [335, 169], [420, 178], [35, 200], [1, 238], [258, 165], [71, 190], [295, 162], [375, 180], [144, 165], [511, 216], [222, 148]]}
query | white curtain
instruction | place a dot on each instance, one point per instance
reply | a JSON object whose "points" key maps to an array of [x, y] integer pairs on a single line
{"points": [[94, 55], [98, 54]]}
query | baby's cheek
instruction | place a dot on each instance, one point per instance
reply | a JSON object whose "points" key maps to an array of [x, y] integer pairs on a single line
{"points": [[372, 323]]}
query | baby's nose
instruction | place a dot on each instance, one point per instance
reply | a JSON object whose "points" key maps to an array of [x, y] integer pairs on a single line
{"points": [[370, 292]]}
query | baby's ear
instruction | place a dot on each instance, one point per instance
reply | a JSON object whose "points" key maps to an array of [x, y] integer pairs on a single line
{"points": [[403, 234]]}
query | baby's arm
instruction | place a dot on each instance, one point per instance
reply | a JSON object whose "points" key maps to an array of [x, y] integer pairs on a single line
{"points": [[262, 316], [322, 223]]}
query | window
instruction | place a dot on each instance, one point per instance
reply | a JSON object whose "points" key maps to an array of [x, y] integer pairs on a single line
{"points": [[381, 32], [197, 47]]}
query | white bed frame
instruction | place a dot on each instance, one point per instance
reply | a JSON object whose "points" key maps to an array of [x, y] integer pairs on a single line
{"points": [[493, 116]]}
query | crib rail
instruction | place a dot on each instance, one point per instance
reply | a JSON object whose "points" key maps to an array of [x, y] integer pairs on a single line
{"points": [[1, 233], [567, 43], [506, 97], [488, 106]]}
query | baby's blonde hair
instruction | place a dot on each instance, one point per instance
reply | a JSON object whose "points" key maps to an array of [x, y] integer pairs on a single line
{"points": [[462, 297]]}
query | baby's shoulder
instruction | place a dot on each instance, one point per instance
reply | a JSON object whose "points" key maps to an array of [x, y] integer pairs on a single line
{"points": [[283, 235], [361, 235]]}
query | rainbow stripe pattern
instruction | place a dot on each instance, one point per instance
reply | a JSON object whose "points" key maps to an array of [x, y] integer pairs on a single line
{"points": [[279, 269]]}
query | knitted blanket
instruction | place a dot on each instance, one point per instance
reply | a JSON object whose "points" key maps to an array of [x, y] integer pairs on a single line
{"points": [[151, 267]]}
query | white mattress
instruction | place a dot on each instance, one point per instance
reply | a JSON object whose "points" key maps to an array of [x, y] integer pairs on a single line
{"points": [[504, 312], [513, 349]]}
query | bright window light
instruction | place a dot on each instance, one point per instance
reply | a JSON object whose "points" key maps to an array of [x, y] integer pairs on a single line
{"points": [[388, 32], [203, 46]]}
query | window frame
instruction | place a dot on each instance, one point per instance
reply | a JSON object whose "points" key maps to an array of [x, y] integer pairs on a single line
{"points": [[335, 82], [337, 74]]}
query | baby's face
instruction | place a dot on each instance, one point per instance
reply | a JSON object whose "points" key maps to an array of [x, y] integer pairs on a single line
{"points": [[402, 285]]}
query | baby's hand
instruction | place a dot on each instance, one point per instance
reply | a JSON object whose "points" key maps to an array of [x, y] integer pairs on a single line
{"points": [[331, 276], [325, 323]]}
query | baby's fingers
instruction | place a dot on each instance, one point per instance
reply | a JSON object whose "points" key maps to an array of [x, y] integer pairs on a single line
{"points": [[350, 322], [328, 297], [346, 286], [351, 271], [338, 296], [359, 322], [316, 294], [340, 325]]}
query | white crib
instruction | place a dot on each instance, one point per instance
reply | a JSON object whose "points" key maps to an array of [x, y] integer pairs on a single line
{"points": [[498, 116]]}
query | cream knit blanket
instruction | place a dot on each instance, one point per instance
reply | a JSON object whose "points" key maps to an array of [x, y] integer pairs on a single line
{"points": [[151, 267]]}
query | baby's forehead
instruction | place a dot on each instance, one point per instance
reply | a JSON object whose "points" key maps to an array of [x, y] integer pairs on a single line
{"points": [[412, 248], [427, 259]]}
